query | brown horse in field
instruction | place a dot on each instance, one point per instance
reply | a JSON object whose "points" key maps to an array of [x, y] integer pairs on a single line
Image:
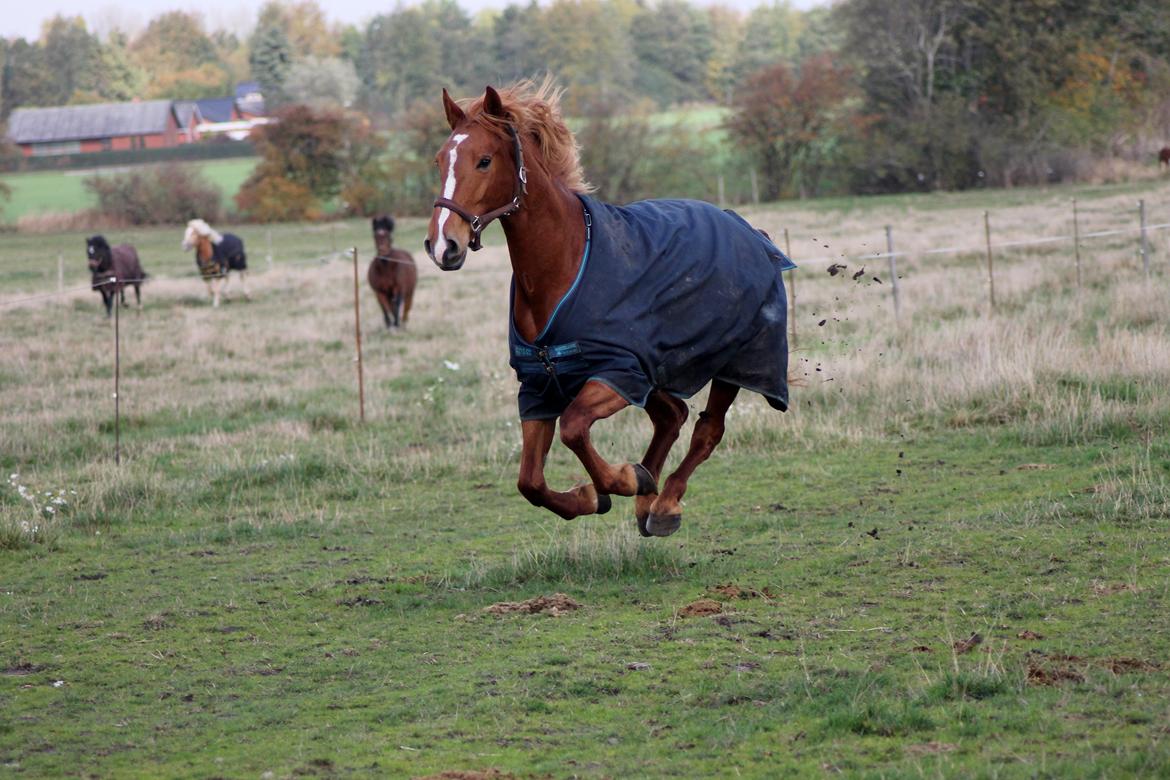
{"points": [[113, 268], [392, 275], [611, 306], [1164, 157]]}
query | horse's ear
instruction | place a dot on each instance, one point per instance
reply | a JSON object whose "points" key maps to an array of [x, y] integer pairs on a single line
{"points": [[492, 105], [455, 114]]}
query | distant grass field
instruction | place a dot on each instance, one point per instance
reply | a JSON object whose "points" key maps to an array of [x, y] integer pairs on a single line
{"points": [[948, 560], [63, 191]]}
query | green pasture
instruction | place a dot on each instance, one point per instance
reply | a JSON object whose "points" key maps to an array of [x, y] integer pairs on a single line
{"points": [[43, 192], [932, 566]]}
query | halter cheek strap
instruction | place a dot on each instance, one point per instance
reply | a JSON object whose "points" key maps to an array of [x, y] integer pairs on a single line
{"points": [[479, 222]]}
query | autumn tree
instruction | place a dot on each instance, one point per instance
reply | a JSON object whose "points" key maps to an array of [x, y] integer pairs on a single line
{"points": [[788, 120], [301, 165]]}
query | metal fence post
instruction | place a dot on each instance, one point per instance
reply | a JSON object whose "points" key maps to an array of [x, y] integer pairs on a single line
{"points": [[791, 285], [117, 374], [1077, 242], [357, 330], [893, 272], [990, 267], [1145, 240]]}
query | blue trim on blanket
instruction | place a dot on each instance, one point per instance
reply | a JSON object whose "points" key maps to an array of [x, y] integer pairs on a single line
{"points": [[580, 273]]}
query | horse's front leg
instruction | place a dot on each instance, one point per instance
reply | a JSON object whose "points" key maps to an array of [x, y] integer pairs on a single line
{"points": [[666, 511], [582, 500], [596, 401]]}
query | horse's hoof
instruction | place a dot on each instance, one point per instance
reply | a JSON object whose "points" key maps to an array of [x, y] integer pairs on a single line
{"points": [[642, 527], [663, 525], [646, 483], [604, 503]]}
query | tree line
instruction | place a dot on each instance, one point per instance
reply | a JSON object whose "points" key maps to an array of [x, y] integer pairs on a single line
{"points": [[861, 96]]}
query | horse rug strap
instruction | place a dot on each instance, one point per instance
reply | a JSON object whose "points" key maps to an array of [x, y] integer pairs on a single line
{"points": [[670, 295]]}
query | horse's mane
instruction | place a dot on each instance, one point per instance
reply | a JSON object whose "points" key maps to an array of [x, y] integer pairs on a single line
{"points": [[535, 111], [203, 229]]}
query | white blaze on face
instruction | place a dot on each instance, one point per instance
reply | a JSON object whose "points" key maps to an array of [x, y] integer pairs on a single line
{"points": [[448, 187]]}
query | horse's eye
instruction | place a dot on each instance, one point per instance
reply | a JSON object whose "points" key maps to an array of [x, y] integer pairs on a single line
{"points": [[483, 163]]}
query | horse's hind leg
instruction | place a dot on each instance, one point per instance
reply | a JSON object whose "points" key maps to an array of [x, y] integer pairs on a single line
{"points": [[666, 511], [668, 414], [138, 295], [581, 500], [596, 401]]}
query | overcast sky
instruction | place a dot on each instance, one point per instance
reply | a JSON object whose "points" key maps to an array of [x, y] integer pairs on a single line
{"points": [[21, 20]]}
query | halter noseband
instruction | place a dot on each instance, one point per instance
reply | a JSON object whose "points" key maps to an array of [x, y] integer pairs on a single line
{"points": [[481, 221]]}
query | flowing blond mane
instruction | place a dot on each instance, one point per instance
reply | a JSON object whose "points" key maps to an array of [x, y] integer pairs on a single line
{"points": [[535, 111]]}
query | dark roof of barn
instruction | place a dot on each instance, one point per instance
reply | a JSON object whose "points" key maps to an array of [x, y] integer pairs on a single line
{"points": [[216, 109], [185, 110], [101, 120]]}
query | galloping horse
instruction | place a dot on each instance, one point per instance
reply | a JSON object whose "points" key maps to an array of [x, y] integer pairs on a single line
{"points": [[392, 274], [610, 306], [216, 255], [119, 262]]}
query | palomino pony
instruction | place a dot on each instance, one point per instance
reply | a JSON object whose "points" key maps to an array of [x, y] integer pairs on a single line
{"points": [[216, 255], [119, 264], [392, 274], [610, 306]]}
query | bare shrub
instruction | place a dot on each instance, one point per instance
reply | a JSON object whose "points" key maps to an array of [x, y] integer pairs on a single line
{"points": [[159, 195]]}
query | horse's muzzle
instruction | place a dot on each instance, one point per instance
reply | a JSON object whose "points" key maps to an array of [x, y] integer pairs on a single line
{"points": [[453, 255]]}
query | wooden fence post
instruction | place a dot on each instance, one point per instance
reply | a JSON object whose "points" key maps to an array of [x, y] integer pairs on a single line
{"points": [[893, 272], [357, 330], [755, 188], [1145, 246], [791, 286], [268, 234], [722, 193], [990, 266], [1077, 242]]}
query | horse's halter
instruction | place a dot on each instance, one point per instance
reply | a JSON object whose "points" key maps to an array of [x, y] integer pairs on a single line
{"points": [[479, 222]]}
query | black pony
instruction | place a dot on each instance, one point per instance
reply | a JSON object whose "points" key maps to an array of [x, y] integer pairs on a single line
{"points": [[114, 268]]}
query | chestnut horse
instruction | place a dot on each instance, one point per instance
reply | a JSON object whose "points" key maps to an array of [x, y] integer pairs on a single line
{"points": [[1164, 157], [118, 263], [216, 255], [392, 274], [610, 306]]}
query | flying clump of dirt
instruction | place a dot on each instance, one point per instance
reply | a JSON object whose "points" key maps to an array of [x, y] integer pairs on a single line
{"points": [[556, 604]]}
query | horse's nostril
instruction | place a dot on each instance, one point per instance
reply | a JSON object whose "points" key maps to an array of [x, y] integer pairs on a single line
{"points": [[452, 247]]}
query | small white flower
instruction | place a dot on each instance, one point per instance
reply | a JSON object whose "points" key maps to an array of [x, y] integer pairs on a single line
{"points": [[451, 366], [50, 510], [58, 683]]}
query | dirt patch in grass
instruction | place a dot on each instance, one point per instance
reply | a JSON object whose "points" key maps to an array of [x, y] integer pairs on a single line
{"points": [[1110, 589], [1029, 634], [931, 748], [556, 604], [458, 774], [21, 670], [701, 608], [968, 644], [731, 591]]}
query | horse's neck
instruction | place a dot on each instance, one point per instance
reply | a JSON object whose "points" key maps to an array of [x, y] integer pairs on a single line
{"points": [[204, 249], [546, 239]]}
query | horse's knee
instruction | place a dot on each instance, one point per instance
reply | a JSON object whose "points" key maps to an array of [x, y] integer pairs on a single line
{"points": [[531, 489], [574, 430]]}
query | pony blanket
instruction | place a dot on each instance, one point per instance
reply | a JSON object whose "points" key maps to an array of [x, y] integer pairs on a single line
{"points": [[229, 253], [670, 295]]}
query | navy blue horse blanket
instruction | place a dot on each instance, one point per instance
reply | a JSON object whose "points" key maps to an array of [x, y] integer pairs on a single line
{"points": [[670, 295], [229, 253]]}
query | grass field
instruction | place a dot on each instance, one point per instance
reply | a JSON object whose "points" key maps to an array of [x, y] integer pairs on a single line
{"points": [[42, 192], [949, 559]]}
